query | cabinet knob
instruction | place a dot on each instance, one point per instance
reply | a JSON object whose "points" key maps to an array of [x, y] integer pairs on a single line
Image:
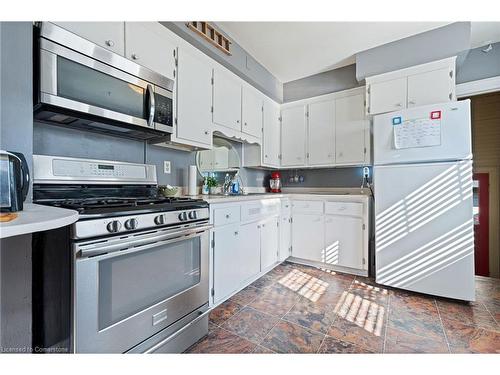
{"points": [[135, 56], [228, 216], [206, 132], [245, 124], [109, 43], [399, 105], [411, 102], [237, 121], [236, 233]]}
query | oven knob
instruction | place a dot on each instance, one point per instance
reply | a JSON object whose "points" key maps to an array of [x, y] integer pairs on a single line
{"points": [[183, 216], [131, 224], [113, 226], [159, 220], [192, 215]]}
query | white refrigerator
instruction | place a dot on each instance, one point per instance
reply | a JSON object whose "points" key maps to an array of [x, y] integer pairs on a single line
{"points": [[424, 235]]}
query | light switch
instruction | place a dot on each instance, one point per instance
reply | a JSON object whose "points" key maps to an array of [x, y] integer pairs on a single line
{"points": [[166, 167]]}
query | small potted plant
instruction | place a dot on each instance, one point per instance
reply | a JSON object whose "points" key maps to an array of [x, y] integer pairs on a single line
{"points": [[212, 185]]}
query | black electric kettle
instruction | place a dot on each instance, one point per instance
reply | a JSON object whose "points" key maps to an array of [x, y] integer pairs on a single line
{"points": [[14, 181]]}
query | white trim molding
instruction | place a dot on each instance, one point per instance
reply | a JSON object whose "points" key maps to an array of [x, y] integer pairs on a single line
{"points": [[481, 86]]}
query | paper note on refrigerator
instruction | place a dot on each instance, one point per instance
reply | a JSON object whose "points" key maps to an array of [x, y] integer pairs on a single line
{"points": [[423, 132]]}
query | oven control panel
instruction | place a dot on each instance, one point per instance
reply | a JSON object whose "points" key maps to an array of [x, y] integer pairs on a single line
{"points": [[122, 224]]}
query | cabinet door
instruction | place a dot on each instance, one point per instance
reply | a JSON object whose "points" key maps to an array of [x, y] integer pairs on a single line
{"points": [[227, 100], [350, 128], [269, 243], [430, 88], [271, 141], [110, 35], [194, 97], [206, 160], [221, 158], [226, 258], [387, 96], [293, 136], [249, 251], [251, 112], [151, 45], [308, 236], [343, 241], [321, 132], [285, 237]]}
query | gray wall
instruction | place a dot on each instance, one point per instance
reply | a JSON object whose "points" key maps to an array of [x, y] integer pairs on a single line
{"points": [[432, 45], [239, 62], [16, 124], [59, 141], [322, 83], [16, 100], [479, 65]]}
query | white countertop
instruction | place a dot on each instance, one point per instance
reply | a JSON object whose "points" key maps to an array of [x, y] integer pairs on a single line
{"points": [[351, 194], [37, 218]]}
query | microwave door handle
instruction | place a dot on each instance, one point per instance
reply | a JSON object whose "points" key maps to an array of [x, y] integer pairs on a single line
{"points": [[152, 108]]}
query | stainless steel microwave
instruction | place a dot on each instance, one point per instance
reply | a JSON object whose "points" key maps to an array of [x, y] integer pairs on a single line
{"points": [[83, 85]]}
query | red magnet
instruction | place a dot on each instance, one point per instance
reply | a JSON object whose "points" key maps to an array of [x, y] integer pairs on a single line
{"points": [[435, 115]]}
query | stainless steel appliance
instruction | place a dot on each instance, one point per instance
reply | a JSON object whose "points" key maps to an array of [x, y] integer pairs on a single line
{"points": [[14, 181], [81, 84], [139, 262]]}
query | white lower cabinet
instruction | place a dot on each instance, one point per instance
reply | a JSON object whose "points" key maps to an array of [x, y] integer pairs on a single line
{"points": [[343, 241], [226, 258], [249, 251], [246, 244], [269, 243], [285, 237], [331, 232], [308, 234]]}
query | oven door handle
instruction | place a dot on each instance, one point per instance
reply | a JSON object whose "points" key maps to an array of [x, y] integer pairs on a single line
{"points": [[103, 250]]}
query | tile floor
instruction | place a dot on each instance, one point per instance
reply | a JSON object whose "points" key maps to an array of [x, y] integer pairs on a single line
{"points": [[300, 309]]}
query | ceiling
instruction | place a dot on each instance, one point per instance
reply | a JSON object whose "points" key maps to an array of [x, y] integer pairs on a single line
{"points": [[293, 50]]}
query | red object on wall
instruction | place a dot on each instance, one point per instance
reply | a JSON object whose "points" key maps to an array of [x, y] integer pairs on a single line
{"points": [[481, 224]]}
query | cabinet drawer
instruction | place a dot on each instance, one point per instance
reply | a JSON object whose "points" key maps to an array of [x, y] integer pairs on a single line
{"points": [[344, 208], [255, 210], [308, 207], [226, 215]]}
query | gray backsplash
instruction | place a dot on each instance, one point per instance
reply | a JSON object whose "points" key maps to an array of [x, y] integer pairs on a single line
{"points": [[325, 178], [59, 141]]}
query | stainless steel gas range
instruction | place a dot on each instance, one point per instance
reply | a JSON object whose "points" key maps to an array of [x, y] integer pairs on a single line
{"points": [[131, 275]]}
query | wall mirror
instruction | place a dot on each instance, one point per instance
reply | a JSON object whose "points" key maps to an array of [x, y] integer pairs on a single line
{"points": [[223, 157]]}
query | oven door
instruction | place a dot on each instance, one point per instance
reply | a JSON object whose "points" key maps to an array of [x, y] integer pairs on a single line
{"points": [[78, 83], [127, 289]]}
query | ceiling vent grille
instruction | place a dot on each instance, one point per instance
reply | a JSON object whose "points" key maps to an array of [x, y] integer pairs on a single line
{"points": [[210, 34]]}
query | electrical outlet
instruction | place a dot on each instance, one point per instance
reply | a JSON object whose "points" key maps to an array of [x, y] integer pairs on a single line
{"points": [[166, 167]]}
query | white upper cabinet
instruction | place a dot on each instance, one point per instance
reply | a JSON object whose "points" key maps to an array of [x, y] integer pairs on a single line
{"points": [[293, 136], [194, 98], [351, 130], [251, 111], [418, 85], [344, 241], [321, 133], [227, 99], [110, 35], [271, 141], [387, 96], [442, 87], [151, 45], [269, 243]]}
